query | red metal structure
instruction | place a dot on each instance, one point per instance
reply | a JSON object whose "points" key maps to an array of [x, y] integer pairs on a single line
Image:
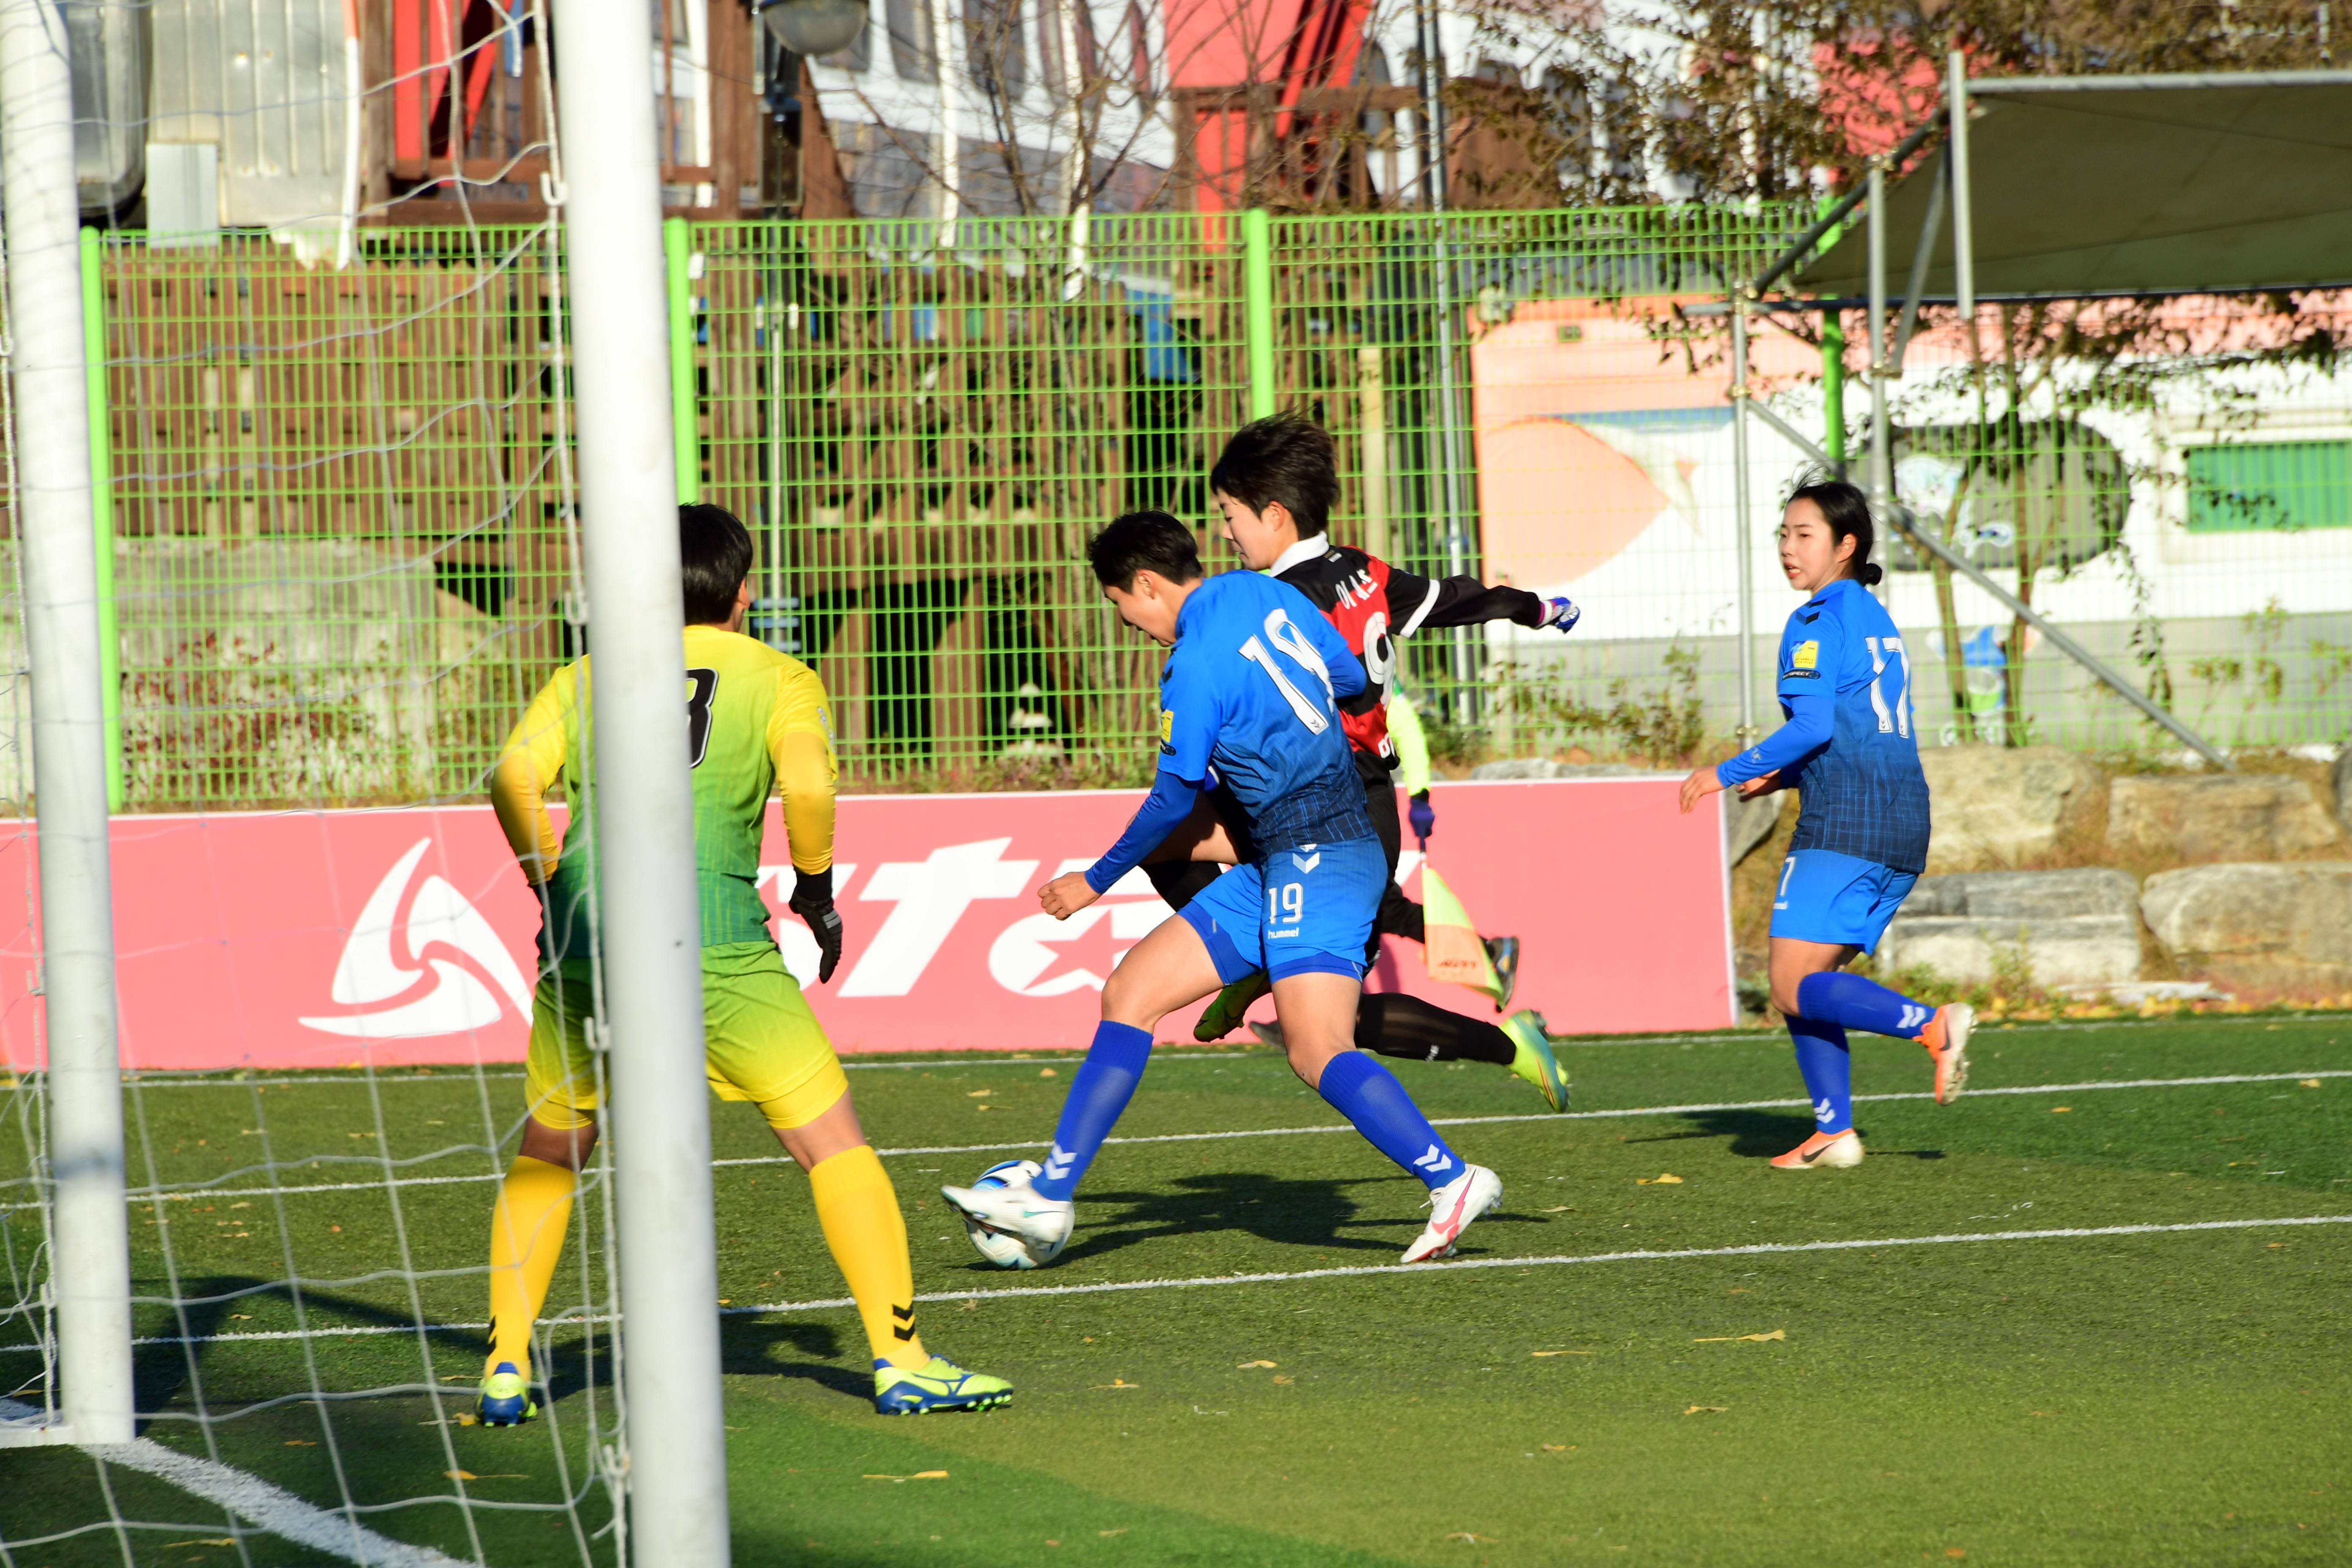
{"points": [[1269, 110]]}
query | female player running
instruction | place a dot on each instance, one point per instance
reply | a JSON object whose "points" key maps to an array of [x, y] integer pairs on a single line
{"points": [[1862, 833]]}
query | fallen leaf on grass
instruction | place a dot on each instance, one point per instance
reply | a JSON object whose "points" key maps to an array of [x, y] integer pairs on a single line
{"points": [[2060, 1110], [1123, 1529], [1467, 1538], [242, 1317], [1727, 1339], [467, 1418], [1046, 1072], [1256, 1364], [1119, 1383], [1667, 1179], [1284, 1377], [1718, 1409], [209, 1541], [1559, 1352], [979, 1093], [1562, 1209], [2308, 1082], [1558, 1447], [494, 1475], [299, 1443], [918, 1476]]}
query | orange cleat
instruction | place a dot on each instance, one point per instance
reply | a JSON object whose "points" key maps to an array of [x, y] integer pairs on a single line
{"points": [[1946, 1038], [1838, 1151]]}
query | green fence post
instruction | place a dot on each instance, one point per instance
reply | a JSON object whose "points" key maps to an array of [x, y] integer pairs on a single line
{"points": [[1258, 306], [101, 506], [677, 250], [1833, 390]]}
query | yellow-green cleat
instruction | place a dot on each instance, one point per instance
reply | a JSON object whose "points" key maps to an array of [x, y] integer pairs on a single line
{"points": [[1223, 1016], [506, 1398], [938, 1385], [1535, 1061]]}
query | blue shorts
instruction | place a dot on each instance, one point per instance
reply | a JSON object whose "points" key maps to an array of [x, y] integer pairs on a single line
{"points": [[1827, 897], [1306, 910]]}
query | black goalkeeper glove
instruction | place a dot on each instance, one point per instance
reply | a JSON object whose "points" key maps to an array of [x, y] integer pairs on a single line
{"points": [[812, 899]]}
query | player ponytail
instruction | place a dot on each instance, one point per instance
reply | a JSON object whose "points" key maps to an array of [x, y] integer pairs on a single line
{"points": [[1151, 541], [1847, 512]]}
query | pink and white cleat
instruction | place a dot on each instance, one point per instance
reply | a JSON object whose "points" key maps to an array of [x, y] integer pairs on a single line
{"points": [[1452, 1208]]}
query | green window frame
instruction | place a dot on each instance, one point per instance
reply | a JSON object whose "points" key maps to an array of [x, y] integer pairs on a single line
{"points": [[2237, 488]]}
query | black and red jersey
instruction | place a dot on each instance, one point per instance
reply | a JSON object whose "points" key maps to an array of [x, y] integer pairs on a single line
{"points": [[1372, 603]]}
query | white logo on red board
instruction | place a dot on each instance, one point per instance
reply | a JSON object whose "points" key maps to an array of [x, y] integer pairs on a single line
{"points": [[427, 994]]}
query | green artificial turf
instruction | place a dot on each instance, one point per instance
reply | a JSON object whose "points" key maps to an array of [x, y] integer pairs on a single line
{"points": [[2101, 1400]]}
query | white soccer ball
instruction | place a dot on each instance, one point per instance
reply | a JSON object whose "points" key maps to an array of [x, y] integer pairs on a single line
{"points": [[1004, 1250]]}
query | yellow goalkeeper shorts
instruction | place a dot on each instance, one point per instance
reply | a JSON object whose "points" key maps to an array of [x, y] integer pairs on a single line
{"points": [[760, 1042]]}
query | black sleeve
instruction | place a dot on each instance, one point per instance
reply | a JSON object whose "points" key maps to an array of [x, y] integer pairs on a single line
{"points": [[1417, 601]]}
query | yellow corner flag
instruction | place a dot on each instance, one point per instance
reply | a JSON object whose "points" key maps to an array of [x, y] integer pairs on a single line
{"points": [[1451, 943]]}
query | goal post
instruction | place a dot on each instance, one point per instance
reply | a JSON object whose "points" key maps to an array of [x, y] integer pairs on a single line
{"points": [[645, 879], [90, 1228]]}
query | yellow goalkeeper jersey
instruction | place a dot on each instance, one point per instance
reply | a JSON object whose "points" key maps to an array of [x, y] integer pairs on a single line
{"points": [[757, 721]]}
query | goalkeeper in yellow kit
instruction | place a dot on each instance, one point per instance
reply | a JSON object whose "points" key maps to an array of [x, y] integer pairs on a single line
{"points": [[756, 723]]}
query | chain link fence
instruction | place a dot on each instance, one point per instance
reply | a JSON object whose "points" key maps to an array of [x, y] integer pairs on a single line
{"points": [[340, 559]]}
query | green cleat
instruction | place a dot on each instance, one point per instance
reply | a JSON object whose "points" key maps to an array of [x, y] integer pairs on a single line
{"points": [[1224, 1014], [1535, 1061], [506, 1398], [939, 1384]]}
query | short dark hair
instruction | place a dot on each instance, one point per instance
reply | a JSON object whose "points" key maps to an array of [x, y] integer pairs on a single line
{"points": [[1847, 512], [1285, 457], [1144, 541], [714, 556]]}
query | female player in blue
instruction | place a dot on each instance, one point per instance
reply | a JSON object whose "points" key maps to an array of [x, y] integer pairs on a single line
{"points": [[1862, 833], [1248, 697]]}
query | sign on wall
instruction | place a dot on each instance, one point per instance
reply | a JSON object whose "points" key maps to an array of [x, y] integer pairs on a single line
{"points": [[326, 939]]}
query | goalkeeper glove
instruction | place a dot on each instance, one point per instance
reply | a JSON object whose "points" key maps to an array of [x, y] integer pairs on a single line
{"points": [[1423, 817], [812, 899], [1560, 614]]}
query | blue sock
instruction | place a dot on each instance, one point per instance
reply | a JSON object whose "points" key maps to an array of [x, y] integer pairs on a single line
{"points": [[1106, 1081], [1827, 1067], [1359, 1088], [1858, 1003]]}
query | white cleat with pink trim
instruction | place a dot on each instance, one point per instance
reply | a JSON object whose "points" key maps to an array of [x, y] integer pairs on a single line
{"points": [[1452, 1208]]}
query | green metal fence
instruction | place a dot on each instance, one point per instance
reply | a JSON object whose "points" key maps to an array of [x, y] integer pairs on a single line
{"points": [[339, 498]]}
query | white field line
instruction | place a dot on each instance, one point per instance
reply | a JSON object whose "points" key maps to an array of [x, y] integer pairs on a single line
{"points": [[150, 1197], [255, 1500], [1660, 1255]]}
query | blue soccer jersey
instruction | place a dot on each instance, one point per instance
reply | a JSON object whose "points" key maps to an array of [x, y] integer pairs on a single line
{"points": [[1249, 693], [1851, 746]]}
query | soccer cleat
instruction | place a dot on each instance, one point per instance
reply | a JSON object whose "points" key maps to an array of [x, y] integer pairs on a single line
{"points": [[1452, 1208], [1503, 952], [1223, 1016], [506, 1398], [938, 1385], [1946, 1038], [1836, 1151], [1015, 1209], [1535, 1061], [1269, 1035]]}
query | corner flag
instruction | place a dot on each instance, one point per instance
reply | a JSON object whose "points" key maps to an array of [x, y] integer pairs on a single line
{"points": [[1451, 943]]}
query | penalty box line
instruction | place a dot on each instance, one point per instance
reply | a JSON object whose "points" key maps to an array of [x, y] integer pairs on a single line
{"points": [[150, 1195], [1108, 1288], [1657, 1255]]}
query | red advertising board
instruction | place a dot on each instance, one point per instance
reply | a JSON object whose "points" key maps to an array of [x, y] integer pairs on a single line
{"points": [[322, 938]]}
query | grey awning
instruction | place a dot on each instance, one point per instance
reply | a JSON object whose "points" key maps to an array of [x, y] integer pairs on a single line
{"points": [[2123, 184]]}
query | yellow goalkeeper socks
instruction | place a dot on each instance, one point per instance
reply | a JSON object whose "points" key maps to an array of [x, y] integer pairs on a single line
{"points": [[526, 1238], [868, 1233]]}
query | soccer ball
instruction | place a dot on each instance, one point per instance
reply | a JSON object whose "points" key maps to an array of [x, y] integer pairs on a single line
{"points": [[1008, 1251]]}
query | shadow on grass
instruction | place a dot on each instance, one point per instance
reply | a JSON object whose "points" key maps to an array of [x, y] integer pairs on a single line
{"points": [[750, 1347], [1761, 1134]]}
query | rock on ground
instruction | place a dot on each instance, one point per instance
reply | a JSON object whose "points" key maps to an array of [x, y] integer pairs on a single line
{"points": [[2070, 929], [2286, 928], [2218, 816], [1997, 805], [2343, 779]]}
